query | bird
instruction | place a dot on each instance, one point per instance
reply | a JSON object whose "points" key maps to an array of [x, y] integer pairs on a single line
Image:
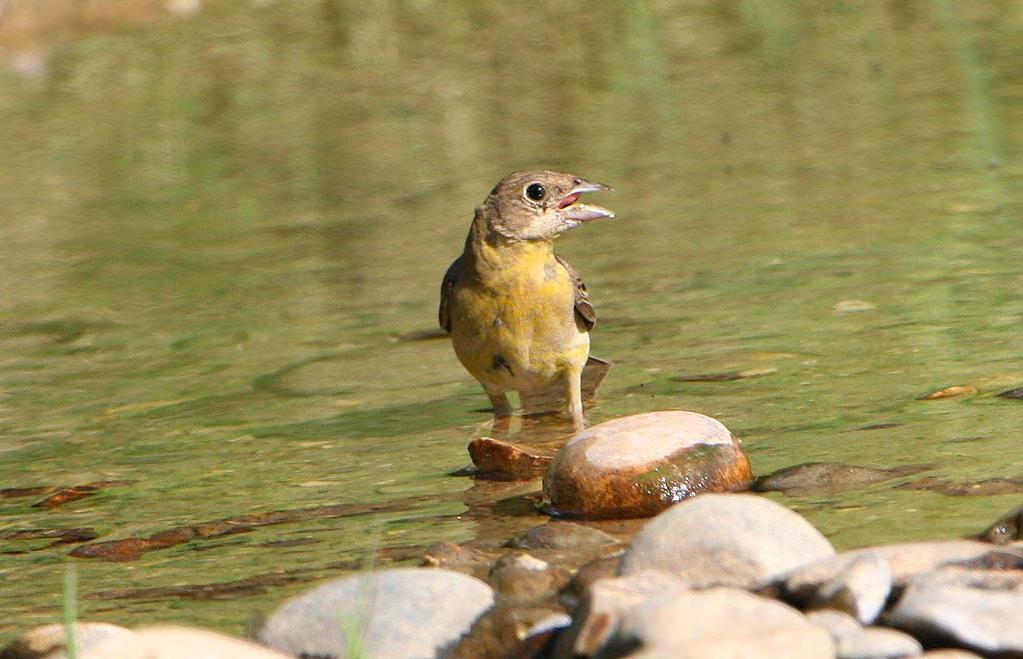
{"points": [[518, 314]]}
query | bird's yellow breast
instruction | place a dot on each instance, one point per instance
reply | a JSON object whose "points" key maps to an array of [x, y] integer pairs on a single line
{"points": [[513, 319]]}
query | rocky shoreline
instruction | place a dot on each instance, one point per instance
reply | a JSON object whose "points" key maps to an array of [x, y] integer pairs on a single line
{"points": [[713, 574]]}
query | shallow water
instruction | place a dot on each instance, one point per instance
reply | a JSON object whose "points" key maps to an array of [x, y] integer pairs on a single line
{"points": [[216, 227]]}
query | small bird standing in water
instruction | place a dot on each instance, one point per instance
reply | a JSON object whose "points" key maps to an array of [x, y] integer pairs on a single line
{"points": [[518, 313]]}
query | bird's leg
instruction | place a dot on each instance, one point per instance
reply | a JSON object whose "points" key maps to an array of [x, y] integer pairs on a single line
{"points": [[573, 394], [499, 399]]}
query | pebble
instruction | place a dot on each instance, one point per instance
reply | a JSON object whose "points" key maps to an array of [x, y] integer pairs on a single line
{"points": [[739, 540], [404, 612], [525, 578], [636, 466]]}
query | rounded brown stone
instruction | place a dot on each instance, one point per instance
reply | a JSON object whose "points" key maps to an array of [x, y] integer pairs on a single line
{"points": [[636, 466]]}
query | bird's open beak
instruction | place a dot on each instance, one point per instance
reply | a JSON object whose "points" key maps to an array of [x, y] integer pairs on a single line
{"points": [[579, 212]]}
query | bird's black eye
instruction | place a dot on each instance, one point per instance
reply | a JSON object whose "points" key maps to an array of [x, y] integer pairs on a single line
{"points": [[536, 191]]}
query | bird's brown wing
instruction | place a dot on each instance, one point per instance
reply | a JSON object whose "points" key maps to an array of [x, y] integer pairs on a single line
{"points": [[583, 308], [450, 277]]}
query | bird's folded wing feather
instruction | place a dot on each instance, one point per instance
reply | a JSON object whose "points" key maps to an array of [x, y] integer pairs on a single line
{"points": [[450, 277], [583, 308]]}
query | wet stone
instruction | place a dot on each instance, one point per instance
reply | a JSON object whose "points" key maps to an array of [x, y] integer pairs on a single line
{"points": [[59, 536], [1012, 394], [605, 567], [562, 535], [1006, 529], [725, 376], [457, 558], [503, 461], [817, 478], [541, 636], [950, 392], [983, 488], [726, 539], [637, 466], [68, 494], [407, 612], [503, 631], [525, 578]]}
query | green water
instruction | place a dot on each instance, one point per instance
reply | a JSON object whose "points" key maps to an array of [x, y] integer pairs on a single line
{"points": [[215, 227]]}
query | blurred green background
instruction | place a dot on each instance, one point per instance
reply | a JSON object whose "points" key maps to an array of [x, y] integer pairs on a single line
{"points": [[217, 217]]}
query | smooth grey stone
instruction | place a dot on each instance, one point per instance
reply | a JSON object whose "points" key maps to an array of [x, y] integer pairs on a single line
{"points": [[174, 642], [854, 641], [906, 560], [987, 621], [392, 614], [859, 589], [717, 623], [739, 540]]}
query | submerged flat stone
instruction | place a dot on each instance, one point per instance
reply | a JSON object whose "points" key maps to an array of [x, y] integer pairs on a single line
{"points": [[638, 465]]}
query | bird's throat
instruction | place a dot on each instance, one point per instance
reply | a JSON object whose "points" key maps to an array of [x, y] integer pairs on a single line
{"points": [[495, 258]]}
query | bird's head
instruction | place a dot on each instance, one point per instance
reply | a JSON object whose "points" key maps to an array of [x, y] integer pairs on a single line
{"points": [[540, 205]]}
